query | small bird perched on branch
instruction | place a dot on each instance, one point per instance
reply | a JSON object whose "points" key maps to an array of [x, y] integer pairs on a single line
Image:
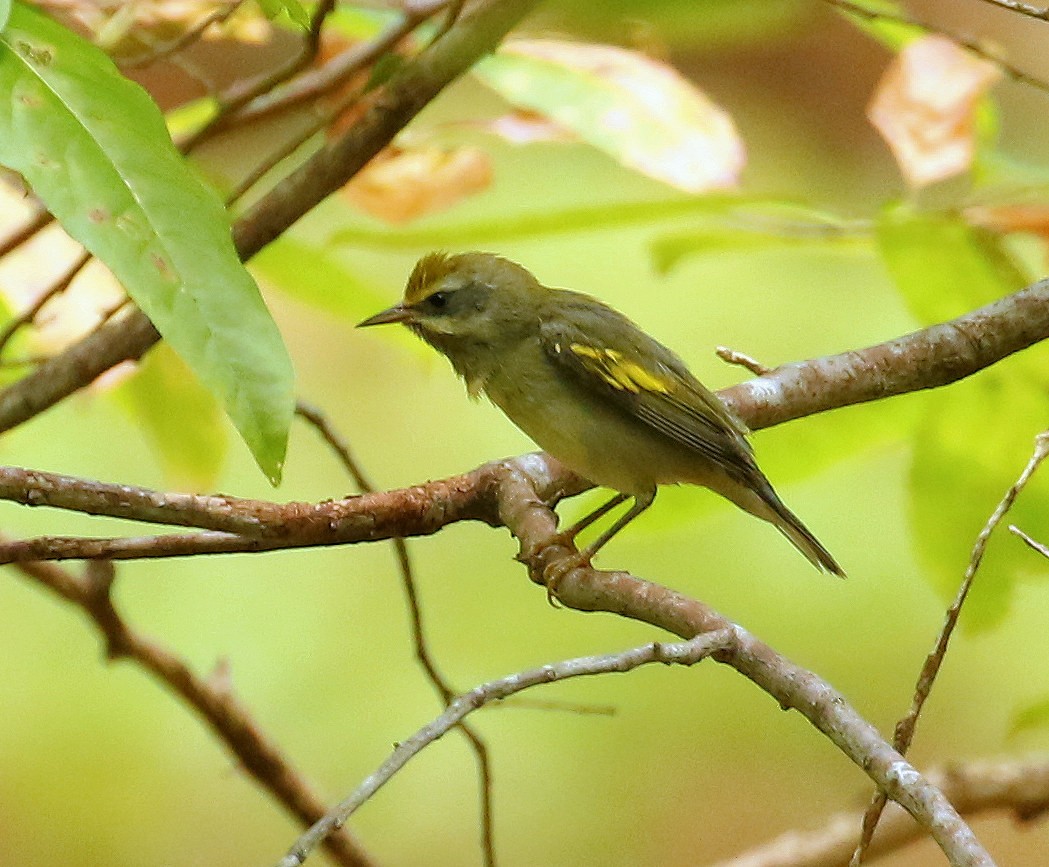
{"points": [[590, 387]]}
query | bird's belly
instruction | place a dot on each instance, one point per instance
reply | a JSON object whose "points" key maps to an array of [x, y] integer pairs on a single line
{"points": [[599, 441]]}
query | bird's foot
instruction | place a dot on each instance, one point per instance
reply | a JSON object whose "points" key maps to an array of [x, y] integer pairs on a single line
{"points": [[555, 573]]}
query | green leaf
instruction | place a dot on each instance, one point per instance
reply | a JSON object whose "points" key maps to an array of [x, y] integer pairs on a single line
{"points": [[976, 436], [191, 116], [292, 8], [179, 416], [538, 224], [971, 445], [1034, 716], [5, 13], [943, 266], [753, 226], [93, 146], [886, 22], [311, 274]]}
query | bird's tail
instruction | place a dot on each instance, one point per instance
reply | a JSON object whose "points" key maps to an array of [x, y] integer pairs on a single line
{"points": [[783, 519], [801, 538]]}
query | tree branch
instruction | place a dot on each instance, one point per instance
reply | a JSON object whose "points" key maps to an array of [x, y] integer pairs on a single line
{"points": [[213, 701], [1017, 787], [586, 589], [928, 358], [684, 653]]}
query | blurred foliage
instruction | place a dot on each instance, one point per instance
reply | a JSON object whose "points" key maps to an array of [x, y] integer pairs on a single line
{"points": [[818, 252], [180, 417]]}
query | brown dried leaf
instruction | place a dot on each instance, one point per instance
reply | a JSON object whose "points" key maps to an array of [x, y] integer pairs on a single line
{"points": [[642, 112], [925, 105], [401, 185]]}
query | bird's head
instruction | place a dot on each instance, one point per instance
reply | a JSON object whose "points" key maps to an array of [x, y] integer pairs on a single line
{"points": [[468, 302]]}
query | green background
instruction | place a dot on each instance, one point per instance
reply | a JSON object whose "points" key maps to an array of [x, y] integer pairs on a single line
{"points": [[100, 765]]}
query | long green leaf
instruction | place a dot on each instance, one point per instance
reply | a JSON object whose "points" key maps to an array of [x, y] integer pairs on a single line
{"points": [[93, 146]]}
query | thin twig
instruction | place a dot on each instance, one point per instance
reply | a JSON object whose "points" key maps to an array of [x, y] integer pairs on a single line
{"points": [[974, 46], [183, 40], [1027, 540], [679, 653], [733, 357], [1040, 13], [241, 93], [905, 727], [1019, 787], [59, 285], [319, 82], [338, 444], [213, 702]]}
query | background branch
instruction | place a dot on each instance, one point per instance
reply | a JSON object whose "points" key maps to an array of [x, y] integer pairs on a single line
{"points": [[211, 699], [1017, 787]]}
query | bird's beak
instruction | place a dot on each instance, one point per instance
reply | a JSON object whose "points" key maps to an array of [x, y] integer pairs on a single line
{"points": [[397, 313]]}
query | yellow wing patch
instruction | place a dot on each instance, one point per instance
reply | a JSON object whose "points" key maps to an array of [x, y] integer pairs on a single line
{"points": [[618, 372]]}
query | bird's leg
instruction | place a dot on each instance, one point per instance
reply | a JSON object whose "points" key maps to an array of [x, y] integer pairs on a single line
{"points": [[570, 534], [556, 572], [641, 502]]}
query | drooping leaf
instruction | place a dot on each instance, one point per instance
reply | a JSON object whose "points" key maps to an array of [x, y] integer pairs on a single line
{"points": [[925, 107], [640, 111], [180, 417], [93, 146], [292, 8], [402, 184]]}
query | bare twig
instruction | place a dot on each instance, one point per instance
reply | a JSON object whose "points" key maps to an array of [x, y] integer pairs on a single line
{"points": [[241, 93], [1019, 787], [904, 733], [318, 82], [422, 650], [214, 703], [682, 653], [974, 46], [1040, 13], [733, 357], [523, 494], [1027, 540], [60, 285], [184, 40]]}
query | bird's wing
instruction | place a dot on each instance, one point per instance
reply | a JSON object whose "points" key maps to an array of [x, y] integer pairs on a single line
{"points": [[645, 379]]}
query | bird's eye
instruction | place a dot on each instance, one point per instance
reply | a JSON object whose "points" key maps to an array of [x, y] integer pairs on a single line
{"points": [[439, 300]]}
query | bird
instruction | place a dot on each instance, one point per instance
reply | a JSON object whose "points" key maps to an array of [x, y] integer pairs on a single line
{"points": [[591, 388]]}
